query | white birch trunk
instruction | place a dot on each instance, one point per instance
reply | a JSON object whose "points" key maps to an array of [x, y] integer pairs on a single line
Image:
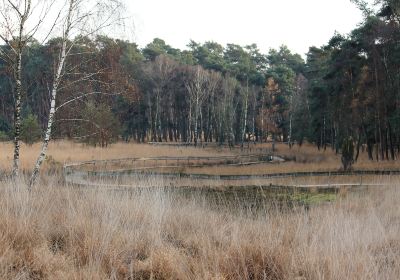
{"points": [[245, 113], [262, 118], [18, 91], [157, 135], [196, 119], [150, 120], [56, 83], [17, 114], [189, 127]]}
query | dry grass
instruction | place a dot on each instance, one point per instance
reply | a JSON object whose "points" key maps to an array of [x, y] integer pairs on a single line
{"points": [[267, 168], [58, 232], [62, 232], [134, 181], [306, 158], [62, 151]]}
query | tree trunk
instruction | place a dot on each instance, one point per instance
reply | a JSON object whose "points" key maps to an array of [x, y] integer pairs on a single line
{"points": [[18, 50], [358, 144], [245, 113], [196, 119], [17, 114], [392, 153], [56, 83]]}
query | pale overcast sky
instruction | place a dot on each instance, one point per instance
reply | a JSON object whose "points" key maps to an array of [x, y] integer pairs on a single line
{"points": [[268, 23]]}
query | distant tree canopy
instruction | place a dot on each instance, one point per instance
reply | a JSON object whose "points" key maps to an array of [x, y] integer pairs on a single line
{"points": [[349, 87]]}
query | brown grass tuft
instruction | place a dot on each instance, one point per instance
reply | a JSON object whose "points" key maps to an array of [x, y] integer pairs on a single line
{"points": [[60, 232]]}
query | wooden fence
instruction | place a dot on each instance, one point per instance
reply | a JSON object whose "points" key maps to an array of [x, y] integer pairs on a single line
{"points": [[147, 167], [151, 163]]}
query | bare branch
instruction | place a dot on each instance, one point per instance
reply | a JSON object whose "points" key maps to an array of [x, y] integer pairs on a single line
{"points": [[83, 96], [15, 8], [41, 19]]}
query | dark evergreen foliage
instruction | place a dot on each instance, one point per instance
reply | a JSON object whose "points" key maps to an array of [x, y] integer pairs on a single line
{"points": [[349, 87]]}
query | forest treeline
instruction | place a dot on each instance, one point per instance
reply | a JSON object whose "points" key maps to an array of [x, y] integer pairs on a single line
{"points": [[212, 93]]}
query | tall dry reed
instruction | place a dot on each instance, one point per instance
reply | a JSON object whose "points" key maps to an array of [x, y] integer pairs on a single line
{"points": [[64, 232]]}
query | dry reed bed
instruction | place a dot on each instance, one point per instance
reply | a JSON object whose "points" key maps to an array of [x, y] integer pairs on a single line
{"points": [[139, 180], [307, 157], [62, 151], [58, 232]]}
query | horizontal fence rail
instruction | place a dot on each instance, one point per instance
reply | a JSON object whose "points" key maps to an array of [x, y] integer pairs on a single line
{"points": [[89, 171], [171, 162], [242, 177]]}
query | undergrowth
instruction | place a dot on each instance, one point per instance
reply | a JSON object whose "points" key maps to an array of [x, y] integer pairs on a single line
{"points": [[64, 232]]}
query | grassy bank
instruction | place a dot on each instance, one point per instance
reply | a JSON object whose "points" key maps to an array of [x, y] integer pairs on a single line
{"points": [[58, 232]]}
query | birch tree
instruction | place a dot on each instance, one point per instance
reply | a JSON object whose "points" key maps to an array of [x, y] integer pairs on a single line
{"points": [[214, 83], [228, 109], [196, 86], [79, 19], [16, 31], [160, 72]]}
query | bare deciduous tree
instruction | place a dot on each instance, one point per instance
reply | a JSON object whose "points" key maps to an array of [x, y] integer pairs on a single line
{"points": [[21, 21], [214, 83], [228, 109], [197, 87], [160, 71], [79, 19]]}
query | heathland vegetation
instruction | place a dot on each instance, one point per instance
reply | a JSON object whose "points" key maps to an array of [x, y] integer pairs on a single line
{"points": [[120, 162], [111, 89], [62, 231], [56, 232]]}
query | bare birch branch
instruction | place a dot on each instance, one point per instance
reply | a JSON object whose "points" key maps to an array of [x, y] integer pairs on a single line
{"points": [[83, 96]]}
